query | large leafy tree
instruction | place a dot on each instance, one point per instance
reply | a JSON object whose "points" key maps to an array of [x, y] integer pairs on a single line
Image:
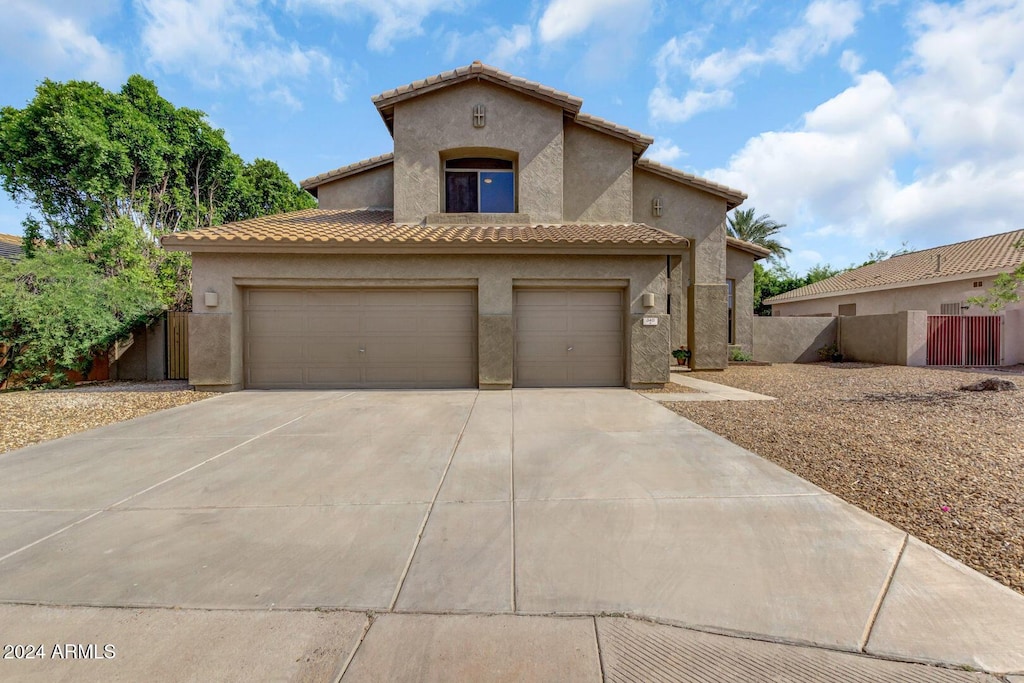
{"points": [[86, 159], [744, 225]]}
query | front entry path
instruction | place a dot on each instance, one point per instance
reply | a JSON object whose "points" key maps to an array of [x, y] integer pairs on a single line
{"points": [[514, 530]]}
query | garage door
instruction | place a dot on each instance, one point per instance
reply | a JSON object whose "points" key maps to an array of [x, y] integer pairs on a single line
{"points": [[360, 338], [569, 338]]}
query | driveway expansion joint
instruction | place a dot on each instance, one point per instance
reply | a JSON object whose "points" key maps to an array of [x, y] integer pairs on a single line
{"points": [[430, 508], [882, 594]]}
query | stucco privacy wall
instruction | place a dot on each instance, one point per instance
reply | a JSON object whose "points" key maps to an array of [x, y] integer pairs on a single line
{"points": [[373, 188], [893, 339], [919, 298], [216, 334], [700, 217], [442, 120], [792, 340], [1013, 336], [739, 266], [598, 177], [146, 358]]}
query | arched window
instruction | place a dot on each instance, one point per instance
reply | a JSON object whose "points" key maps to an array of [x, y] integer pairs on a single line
{"points": [[479, 185]]}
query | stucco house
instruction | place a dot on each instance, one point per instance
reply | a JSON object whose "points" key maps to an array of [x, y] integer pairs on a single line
{"points": [[937, 280], [507, 240]]}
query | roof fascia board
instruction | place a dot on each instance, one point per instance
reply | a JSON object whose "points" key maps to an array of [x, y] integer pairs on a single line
{"points": [[425, 250]]}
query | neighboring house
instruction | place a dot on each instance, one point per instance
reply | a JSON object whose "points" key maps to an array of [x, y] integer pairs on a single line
{"points": [[508, 240], [10, 247], [938, 280]]}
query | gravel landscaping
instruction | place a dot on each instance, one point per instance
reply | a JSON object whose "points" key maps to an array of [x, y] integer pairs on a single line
{"points": [[28, 417], [902, 443]]}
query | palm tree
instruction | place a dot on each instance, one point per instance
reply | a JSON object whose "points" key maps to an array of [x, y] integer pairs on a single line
{"points": [[743, 225]]}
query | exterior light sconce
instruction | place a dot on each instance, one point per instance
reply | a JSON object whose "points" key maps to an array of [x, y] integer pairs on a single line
{"points": [[647, 299], [211, 299], [479, 116], [656, 206]]}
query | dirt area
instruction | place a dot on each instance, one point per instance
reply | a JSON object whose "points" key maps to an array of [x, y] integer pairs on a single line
{"points": [[902, 443], [28, 417]]}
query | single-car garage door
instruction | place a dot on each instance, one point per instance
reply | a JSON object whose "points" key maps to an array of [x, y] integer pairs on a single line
{"points": [[360, 338], [569, 338]]}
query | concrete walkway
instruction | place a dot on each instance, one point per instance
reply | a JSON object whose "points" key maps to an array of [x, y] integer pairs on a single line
{"points": [[705, 391], [465, 535]]}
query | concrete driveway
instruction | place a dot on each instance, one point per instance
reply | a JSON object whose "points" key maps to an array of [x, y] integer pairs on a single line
{"points": [[421, 505]]}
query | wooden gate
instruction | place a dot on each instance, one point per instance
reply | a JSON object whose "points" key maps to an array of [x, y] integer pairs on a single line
{"points": [[177, 345], [964, 340]]}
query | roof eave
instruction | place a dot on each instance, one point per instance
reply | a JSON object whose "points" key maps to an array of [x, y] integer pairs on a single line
{"points": [[749, 247], [310, 184], [732, 197], [504, 248], [880, 288]]}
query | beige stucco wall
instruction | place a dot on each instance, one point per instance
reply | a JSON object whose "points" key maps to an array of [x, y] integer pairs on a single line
{"points": [[216, 347], [598, 182], [792, 340], [893, 338], [920, 298], [739, 266], [700, 217], [146, 358], [430, 124], [370, 189], [1013, 336]]}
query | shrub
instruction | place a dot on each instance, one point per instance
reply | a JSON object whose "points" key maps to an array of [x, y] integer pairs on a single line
{"points": [[738, 354]]}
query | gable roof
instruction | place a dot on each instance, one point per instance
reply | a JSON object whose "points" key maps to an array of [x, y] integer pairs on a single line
{"points": [[640, 141], [386, 101], [978, 257], [10, 247], [757, 250], [733, 198], [371, 230], [348, 170]]}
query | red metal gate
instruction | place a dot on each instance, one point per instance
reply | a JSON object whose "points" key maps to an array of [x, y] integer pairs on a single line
{"points": [[964, 339]]}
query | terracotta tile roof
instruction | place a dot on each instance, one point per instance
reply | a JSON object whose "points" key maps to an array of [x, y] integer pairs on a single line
{"points": [[350, 169], [995, 253], [755, 249], [474, 71], [733, 197], [640, 141], [366, 228], [10, 247]]}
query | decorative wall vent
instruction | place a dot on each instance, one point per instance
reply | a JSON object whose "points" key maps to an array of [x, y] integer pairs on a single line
{"points": [[479, 116], [656, 206]]}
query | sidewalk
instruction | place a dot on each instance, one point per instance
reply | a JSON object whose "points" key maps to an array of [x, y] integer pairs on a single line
{"points": [[708, 391]]}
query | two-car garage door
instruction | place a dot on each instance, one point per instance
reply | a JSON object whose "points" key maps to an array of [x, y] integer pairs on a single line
{"points": [[360, 338]]}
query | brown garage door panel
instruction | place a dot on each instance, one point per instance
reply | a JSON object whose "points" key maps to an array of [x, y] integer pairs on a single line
{"points": [[567, 337], [323, 338]]}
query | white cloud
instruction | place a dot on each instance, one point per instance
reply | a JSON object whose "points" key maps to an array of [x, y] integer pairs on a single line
{"points": [[57, 40], [396, 20], [955, 119], [665, 151], [564, 19], [509, 44], [824, 24], [851, 62], [225, 42]]}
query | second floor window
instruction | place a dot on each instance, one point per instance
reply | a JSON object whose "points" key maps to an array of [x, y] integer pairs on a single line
{"points": [[479, 185]]}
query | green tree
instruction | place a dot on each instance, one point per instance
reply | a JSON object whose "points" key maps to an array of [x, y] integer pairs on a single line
{"points": [[86, 159], [63, 305], [758, 230]]}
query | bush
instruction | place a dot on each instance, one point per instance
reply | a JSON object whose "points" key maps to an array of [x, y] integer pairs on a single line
{"points": [[738, 354], [63, 305]]}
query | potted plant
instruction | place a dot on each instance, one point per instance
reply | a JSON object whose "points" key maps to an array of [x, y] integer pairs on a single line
{"points": [[682, 355]]}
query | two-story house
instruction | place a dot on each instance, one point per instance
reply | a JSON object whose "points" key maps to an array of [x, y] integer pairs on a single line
{"points": [[508, 240]]}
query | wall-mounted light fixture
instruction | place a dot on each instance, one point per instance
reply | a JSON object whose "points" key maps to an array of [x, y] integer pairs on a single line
{"points": [[656, 206], [479, 116], [647, 299], [211, 299]]}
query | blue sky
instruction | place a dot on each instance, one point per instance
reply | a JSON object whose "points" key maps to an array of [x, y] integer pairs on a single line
{"points": [[861, 124]]}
